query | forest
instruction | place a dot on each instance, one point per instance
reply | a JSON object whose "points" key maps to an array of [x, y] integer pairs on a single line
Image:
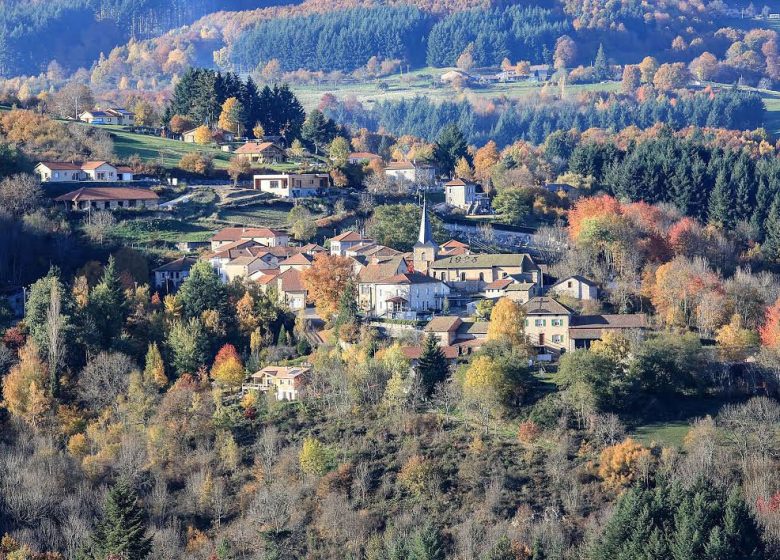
{"points": [[525, 120]]}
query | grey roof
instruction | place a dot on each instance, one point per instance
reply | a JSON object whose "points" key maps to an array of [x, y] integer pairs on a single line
{"points": [[545, 306], [179, 265], [578, 278], [473, 328], [484, 260], [425, 237]]}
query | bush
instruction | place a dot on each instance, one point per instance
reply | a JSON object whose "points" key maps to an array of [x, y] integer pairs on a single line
{"points": [[197, 162]]}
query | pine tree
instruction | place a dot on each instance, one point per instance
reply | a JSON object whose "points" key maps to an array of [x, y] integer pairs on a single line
{"points": [[348, 307], [154, 370], [121, 531], [426, 544], [719, 210], [450, 146], [600, 65], [283, 339], [106, 305], [432, 365]]}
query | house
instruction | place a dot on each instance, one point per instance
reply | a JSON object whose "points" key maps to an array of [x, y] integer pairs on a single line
{"points": [[513, 287], [115, 115], [65, 172], [346, 240], [261, 152], [171, 275], [547, 324], [299, 261], [553, 327], [265, 236], [285, 383], [458, 338], [289, 287], [412, 172], [361, 158], [100, 198], [576, 287], [404, 295], [584, 329], [368, 251], [374, 272], [242, 267], [292, 185], [467, 196], [540, 72], [454, 247], [99, 171], [455, 76]]}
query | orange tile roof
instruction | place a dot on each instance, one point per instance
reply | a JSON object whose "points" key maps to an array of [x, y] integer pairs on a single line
{"points": [[107, 194], [255, 147], [90, 165]]}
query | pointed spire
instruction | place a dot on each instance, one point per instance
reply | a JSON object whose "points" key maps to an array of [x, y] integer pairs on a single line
{"points": [[425, 237]]}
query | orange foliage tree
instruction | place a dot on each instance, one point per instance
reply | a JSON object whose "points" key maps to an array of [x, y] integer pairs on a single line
{"points": [[621, 464], [228, 369], [680, 289], [770, 330], [326, 280]]}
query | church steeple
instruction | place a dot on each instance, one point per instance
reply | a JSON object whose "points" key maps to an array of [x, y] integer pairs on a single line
{"points": [[425, 250]]}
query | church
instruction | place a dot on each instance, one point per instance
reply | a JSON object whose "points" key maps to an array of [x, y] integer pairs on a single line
{"points": [[471, 273]]}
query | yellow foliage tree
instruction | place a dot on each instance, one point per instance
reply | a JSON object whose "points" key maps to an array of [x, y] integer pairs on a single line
{"points": [[507, 323], [202, 135], [245, 313], [228, 369], [463, 169], [735, 341], [613, 345], [24, 388], [416, 474], [314, 457], [154, 372], [231, 116], [620, 464], [485, 159]]}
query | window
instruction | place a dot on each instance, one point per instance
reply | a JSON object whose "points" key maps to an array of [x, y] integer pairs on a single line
{"points": [[481, 276], [557, 338], [540, 322], [462, 276], [556, 322], [274, 184], [526, 322], [568, 284]]}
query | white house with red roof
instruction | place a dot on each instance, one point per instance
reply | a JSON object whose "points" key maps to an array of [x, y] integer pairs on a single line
{"points": [[256, 151], [108, 198], [67, 172]]}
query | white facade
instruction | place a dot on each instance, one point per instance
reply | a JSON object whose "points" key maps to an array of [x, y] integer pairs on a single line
{"points": [[292, 185], [405, 300], [577, 288], [460, 194], [412, 172]]}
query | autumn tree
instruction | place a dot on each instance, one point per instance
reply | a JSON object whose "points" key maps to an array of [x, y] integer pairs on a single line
{"points": [[463, 169], [735, 341], [73, 99], [188, 345], [671, 76], [484, 388], [228, 370], [232, 115], [620, 464], [507, 323], [485, 158], [314, 457], [179, 124], [197, 162], [565, 52], [25, 386], [325, 281], [648, 68], [154, 370], [704, 67], [203, 135], [769, 331], [632, 78], [339, 151], [238, 167]]}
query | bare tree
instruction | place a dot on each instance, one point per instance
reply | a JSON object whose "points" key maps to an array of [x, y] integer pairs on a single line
{"points": [[56, 344], [20, 193], [99, 225], [73, 99], [103, 379]]}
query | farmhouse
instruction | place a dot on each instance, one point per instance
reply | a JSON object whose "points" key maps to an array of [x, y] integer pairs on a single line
{"points": [[292, 185], [576, 287], [346, 240], [261, 152], [108, 198], [466, 195]]}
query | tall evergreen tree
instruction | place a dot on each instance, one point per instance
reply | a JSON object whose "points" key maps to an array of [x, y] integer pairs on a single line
{"points": [[720, 210], [450, 147], [107, 306], [202, 290], [425, 544], [348, 307], [601, 65], [121, 532], [771, 245], [432, 365]]}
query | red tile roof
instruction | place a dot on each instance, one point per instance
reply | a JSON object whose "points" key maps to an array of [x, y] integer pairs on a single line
{"points": [[90, 165], [363, 155], [443, 323], [237, 233], [61, 165], [107, 194], [256, 147], [297, 259], [291, 281], [349, 236]]}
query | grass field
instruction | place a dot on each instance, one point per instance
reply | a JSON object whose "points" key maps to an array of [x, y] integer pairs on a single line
{"points": [[425, 82], [167, 152], [150, 231], [664, 433]]}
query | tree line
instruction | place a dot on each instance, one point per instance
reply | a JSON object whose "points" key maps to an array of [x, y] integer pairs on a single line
{"points": [[533, 122], [340, 40]]}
